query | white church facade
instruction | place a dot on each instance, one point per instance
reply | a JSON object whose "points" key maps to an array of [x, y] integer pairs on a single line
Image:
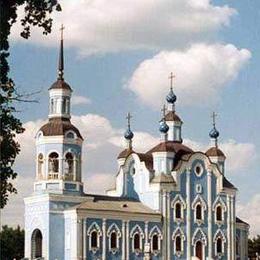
{"points": [[168, 203]]}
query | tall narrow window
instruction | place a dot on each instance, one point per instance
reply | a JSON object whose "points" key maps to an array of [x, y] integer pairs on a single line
{"points": [[136, 241], [113, 240], [64, 106], [53, 163], [36, 244], [219, 245], [178, 210], [155, 243], [52, 106], [178, 243], [94, 239], [198, 212], [67, 106], [69, 164], [219, 213], [40, 165]]}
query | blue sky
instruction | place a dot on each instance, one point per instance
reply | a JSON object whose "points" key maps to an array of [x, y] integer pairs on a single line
{"points": [[109, 76]]}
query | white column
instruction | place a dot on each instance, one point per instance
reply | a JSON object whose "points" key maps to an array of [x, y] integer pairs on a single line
{"points": [[127, 240], [123, 240], [104, 239], [165, 237], [209, 175], [168, 226], [233, 230], [84, 239], [188, 214], [228, 229]]}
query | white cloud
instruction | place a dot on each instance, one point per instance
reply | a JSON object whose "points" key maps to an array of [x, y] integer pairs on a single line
{"points": [[80, 100], [100, 26], [250, 212], [202, 71]]}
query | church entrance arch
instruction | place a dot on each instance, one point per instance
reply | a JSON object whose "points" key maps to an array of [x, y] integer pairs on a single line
{"points": [[36, 244], [199, 250]]}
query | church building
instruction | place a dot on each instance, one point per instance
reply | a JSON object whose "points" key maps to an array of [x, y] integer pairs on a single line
{"points": [[170, 202]]}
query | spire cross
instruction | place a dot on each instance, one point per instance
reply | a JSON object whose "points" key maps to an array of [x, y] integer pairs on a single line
{"points": [[171, 77], [214, 115], [61, 30], [128, 117], [164, 109]]}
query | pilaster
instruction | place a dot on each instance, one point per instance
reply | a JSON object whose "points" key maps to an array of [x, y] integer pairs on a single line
{"points": [[188, 213], [104, 239], [209, 193]]}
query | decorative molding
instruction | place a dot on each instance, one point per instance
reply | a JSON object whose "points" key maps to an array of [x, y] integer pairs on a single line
{"points": [[199, 235]]}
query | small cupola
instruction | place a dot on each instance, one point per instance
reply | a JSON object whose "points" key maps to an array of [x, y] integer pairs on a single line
{"points": [[214, 153], [128, 136], [172, 119]]}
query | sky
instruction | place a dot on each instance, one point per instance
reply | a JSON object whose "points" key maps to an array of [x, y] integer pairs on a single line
{"points": [[118, 56]]}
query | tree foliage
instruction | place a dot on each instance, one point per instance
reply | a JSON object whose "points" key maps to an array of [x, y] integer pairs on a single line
{"points": [[11, 243], [254, 247], [36, 13]]}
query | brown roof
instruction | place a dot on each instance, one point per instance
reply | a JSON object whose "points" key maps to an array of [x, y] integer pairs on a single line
{"points": [[59, 126], [214, 151], [238, 220], [228, 184], [163, 178], [171, 146], [60, 84], [172, 116], [113, 204], [125, 153]]}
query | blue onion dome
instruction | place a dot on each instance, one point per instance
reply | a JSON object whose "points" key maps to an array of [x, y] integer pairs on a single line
{"points": [[163, 127], [128, 134], [214, 133], [171, 97]]}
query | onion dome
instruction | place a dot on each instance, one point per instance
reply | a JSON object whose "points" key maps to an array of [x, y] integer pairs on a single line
{"points": [[128, 134], [214, 133], [163, 128], [171, 97]]}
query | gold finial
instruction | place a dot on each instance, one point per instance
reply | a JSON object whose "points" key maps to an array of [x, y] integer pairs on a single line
{"points": [[128, 117], [171, 77], [214, 115], [61, 31]]}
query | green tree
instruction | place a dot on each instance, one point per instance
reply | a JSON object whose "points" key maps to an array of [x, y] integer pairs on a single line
{"points": [[36, 13], [254, 247], [11, 243]]}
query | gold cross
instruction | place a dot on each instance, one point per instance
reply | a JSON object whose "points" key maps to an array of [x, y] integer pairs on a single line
{"points": [[214, 115], [164, 109], [62, 29], [171, 77], [128, 117]]}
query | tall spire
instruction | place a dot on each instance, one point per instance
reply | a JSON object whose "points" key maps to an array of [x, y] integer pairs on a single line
{"points": [[214, 133], [61, 56]]}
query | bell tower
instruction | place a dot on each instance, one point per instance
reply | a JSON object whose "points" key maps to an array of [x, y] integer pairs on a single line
{"points": [[59, 142]]}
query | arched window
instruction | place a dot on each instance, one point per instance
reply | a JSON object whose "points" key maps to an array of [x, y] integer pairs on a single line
{"points": [[94, 239], [67, 110], [219, 245], [177, 210], [155, 243], [63, 108], [36, 244], [113, 240], [198, 212], [53, 163], [219, 213], [136, 241], [178, 243], [40, 164], [69, 168]]}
